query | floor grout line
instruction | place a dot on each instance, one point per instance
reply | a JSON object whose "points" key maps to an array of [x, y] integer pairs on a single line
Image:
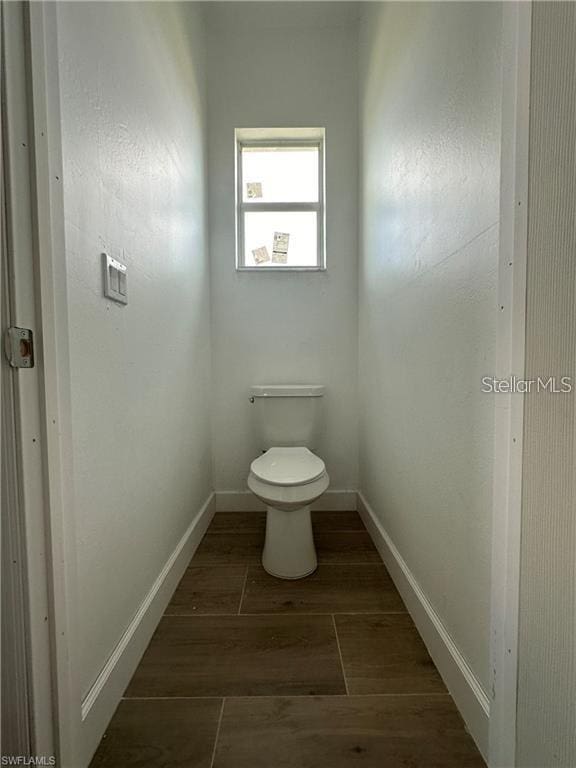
{"points": [[243, 590], [289, 613], [286, 696], [340, 654], [261, 533], [217, 732], [257, 563], [216, 565]]}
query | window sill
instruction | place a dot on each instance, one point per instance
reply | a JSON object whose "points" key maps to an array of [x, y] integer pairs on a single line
{"points": [[280, 269]]}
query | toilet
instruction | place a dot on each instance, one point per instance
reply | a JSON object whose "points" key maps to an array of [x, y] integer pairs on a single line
{"points": [[288, 476]]}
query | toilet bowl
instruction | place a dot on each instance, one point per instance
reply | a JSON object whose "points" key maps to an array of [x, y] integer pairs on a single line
{"points": [[288, 480]]}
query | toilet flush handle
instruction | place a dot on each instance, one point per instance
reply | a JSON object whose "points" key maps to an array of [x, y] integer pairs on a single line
{"points": [[252, 400]]}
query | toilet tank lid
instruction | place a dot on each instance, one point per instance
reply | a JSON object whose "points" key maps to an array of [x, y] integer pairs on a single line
{"points": [[287, 390]]}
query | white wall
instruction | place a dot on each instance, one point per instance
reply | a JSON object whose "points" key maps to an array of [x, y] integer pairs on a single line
{"points": [[133, 143], [430, 122], [284, 64], [546, 721]]}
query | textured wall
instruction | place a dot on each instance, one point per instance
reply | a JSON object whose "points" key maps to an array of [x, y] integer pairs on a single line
{"points": [[133, 138], [546, 726], [430, 124], [284, 64]]}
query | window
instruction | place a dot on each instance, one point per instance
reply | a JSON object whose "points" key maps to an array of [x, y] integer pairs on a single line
{"points": [[280, 199]]}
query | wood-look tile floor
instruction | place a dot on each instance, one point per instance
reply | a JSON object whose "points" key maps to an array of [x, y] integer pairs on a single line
{"points": [[249, 671]]}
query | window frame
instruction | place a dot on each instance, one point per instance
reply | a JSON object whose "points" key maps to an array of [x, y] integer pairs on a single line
{"points": [[261, 137]]}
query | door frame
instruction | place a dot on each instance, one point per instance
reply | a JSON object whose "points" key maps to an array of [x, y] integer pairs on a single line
{"points": [[509, 408], [43, 407], [24, 520], [51, 275]]}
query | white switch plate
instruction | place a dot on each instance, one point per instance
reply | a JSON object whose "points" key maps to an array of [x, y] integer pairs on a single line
{"points": [[115, 279]]}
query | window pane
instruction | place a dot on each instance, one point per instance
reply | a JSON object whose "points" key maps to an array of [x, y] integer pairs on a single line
{"points": [[280, 239], [280, 174]]}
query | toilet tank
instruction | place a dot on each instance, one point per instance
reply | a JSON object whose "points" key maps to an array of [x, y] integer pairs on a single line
{"points": [[287, 415]]}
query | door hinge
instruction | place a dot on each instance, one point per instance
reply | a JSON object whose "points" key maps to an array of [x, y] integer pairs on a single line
{"points": [[19, 347]]}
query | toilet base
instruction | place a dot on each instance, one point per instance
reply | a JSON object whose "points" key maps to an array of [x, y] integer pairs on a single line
{"points": [[289, 551]]}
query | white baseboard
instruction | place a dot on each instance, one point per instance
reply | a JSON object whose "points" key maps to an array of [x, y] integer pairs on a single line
{"points": [[467, 691], [101, 701], [245, 501]]}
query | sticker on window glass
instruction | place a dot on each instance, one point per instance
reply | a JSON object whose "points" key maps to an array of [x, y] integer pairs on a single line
{"points": [[280, 248], [253, 190], [261, 255]]}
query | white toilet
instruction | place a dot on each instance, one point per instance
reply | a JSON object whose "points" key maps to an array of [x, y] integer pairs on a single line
{"points": [[288, 477]]}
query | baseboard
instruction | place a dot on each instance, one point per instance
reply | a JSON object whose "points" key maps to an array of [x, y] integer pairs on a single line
{"points": [[466, 689], [245, 501], [101, 701]]}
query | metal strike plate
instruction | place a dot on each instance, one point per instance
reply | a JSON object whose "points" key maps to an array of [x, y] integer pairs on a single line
{"points": [[19, 347]]}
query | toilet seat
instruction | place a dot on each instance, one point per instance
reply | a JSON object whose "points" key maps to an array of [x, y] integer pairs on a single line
{"points": [[288, 467]]}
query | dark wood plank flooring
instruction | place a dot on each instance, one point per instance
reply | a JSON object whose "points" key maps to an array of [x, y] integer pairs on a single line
{"points": [[240, 656], [342, 732], [249, 671]]}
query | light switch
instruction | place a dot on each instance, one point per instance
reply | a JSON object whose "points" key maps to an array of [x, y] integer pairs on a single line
{"points": [[112, 279], [122, 283], [115, 279]]}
